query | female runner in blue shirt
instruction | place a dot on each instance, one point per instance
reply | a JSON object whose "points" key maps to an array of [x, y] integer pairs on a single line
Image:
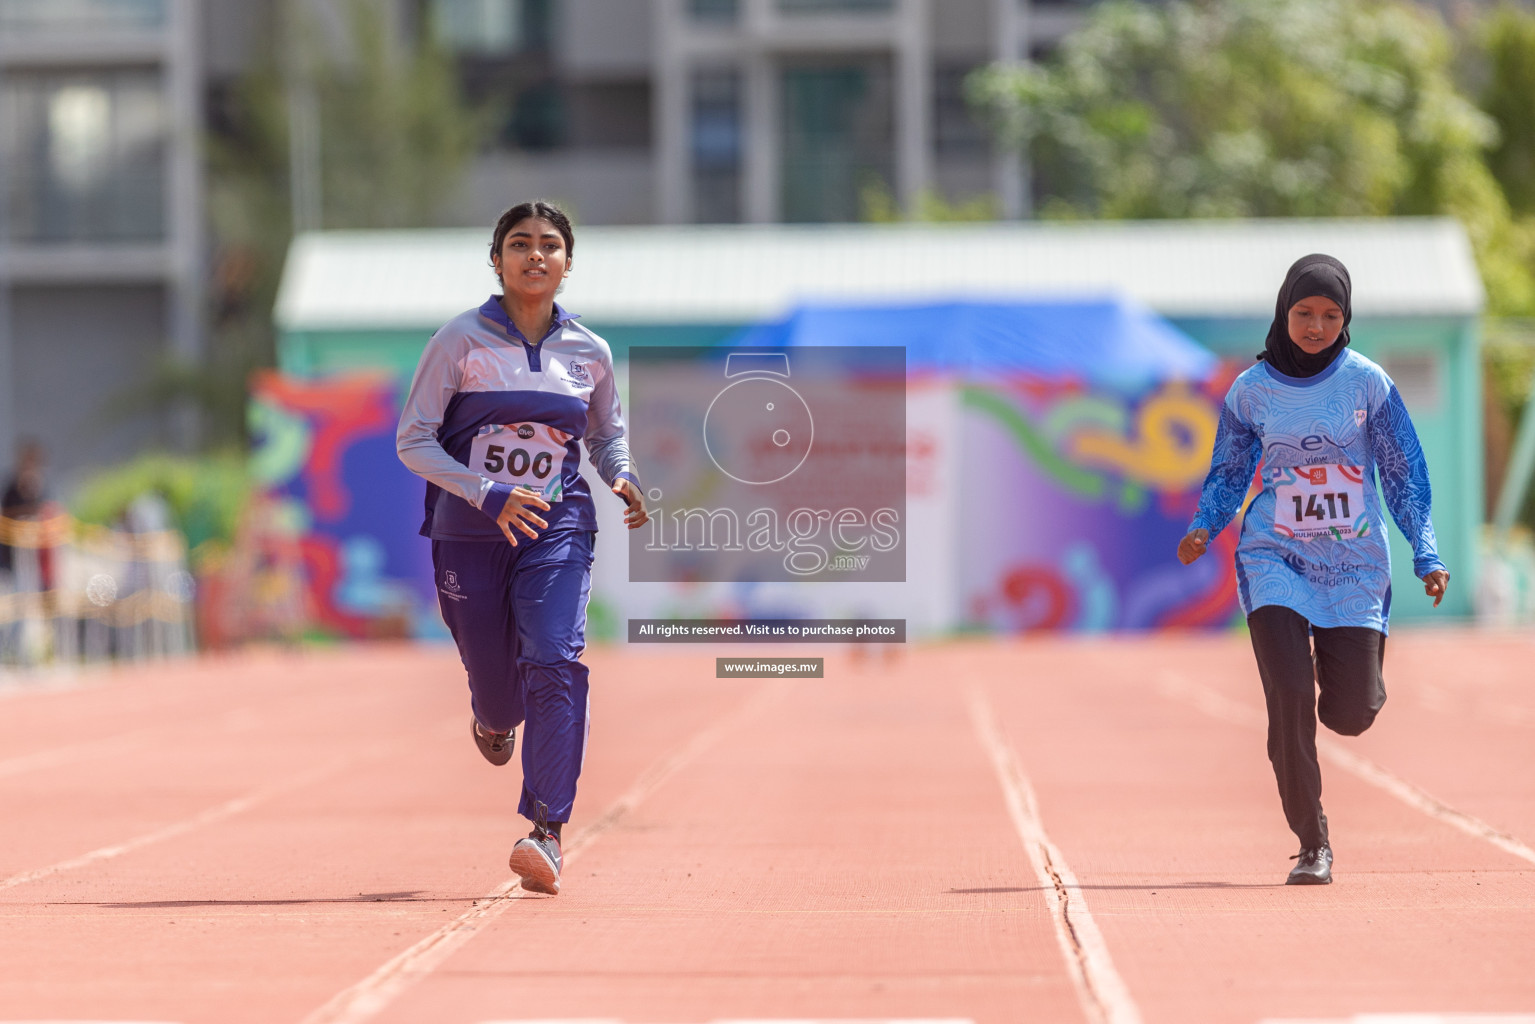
{"points": [[500, 401], [1312, 564]]}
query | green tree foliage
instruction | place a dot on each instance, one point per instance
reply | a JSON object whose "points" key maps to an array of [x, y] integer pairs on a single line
{"points": [[395, 136], [1261, 108], [877, 204], [395, 129], [1502, 66], [1507, 40], [205, 495]]}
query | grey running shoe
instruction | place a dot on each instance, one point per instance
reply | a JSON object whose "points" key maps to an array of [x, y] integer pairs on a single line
{"points": [[496, 746], [536, 860], [1313, 866]]}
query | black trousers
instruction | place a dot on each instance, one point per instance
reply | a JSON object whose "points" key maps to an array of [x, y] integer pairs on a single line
{"points": [[1346, 667]]}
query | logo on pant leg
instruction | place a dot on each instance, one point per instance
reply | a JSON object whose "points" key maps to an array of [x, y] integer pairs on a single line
{"points": [[450, 585]]}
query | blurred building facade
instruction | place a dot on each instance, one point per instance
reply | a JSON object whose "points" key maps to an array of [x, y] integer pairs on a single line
{"points": [[629, 111], [754, 111], [101, 220]]}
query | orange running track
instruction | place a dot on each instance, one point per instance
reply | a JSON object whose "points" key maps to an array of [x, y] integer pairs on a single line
{"points": [[1047, 830]]}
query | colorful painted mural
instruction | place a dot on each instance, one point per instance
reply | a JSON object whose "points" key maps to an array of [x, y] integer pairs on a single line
{"points": [[1036, 501], [1086, 494], [334, 492]]}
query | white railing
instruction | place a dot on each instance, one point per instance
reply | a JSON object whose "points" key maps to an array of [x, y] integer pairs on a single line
{"points": [[77, 593]]}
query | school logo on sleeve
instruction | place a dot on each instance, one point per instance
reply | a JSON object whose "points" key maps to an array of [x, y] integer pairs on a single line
{"points": [[579, 375]]}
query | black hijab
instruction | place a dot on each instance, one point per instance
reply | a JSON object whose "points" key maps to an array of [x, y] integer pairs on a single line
{"points": [[1310, 275]]}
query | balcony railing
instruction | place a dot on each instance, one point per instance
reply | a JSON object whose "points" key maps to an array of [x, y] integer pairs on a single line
{"points": [[56, 15]]}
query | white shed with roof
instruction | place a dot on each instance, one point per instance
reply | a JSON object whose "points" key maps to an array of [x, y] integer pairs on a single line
{"points": [[747, 273]]}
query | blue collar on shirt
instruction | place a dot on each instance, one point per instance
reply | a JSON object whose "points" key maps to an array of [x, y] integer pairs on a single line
{"points": [[493, 311], [1307, 382]]}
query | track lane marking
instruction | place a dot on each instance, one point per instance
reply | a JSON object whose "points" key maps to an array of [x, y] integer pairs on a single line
{"points": [[751, 1020], [370, 996], [228, 809], [1177, 687], [218, 813], [94, 749], [1102, 992], [1410, 1018]]}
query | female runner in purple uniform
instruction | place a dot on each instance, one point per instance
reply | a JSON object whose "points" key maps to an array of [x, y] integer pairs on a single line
{"points": [[502, 398]]}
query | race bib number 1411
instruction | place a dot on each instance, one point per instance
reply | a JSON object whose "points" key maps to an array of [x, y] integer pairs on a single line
{"points": [[1320, 501]]}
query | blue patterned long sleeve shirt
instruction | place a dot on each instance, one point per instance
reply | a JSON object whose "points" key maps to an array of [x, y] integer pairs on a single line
{"points": [[1314, 539]]}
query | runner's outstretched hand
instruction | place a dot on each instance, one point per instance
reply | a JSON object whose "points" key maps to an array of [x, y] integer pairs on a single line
{"points": [[518, 512], [1435, 584], [1193, 545], [635, 515]]}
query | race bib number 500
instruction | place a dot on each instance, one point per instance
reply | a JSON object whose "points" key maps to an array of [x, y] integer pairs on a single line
{"points": [[1320, 501], [527, 455]]}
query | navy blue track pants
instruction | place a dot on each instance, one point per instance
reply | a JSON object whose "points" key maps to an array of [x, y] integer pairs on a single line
{"points": [[518, 615]]}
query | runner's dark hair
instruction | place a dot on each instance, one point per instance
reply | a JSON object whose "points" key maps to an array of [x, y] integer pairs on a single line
{"points": [[540, 209]]}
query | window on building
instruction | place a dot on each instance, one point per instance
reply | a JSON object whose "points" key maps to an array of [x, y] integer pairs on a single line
{"points": [[838, 138], [715, 12], [956, 130], [491, 28], [22, 15], [85, 155], [607, 115], [538, 116], [836, 6], [715, 138], [478, 26]]}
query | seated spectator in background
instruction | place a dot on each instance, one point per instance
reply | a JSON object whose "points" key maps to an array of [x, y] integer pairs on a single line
{"points": [[25, 493]]}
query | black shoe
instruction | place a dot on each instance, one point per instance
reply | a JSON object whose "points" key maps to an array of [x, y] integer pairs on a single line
{"points": [[1313, 866], [496, 746]]}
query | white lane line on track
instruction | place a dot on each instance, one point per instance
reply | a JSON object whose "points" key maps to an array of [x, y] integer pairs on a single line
{"points": [[44, 681], [1216, 705], [223, 811], [1102, 992], [755, 1020], [368, 997], [92, 750], [1410, 1018]]}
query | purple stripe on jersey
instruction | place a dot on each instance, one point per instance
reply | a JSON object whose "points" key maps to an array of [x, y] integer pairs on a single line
{"points": [[468, 411], [449, 516]]}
